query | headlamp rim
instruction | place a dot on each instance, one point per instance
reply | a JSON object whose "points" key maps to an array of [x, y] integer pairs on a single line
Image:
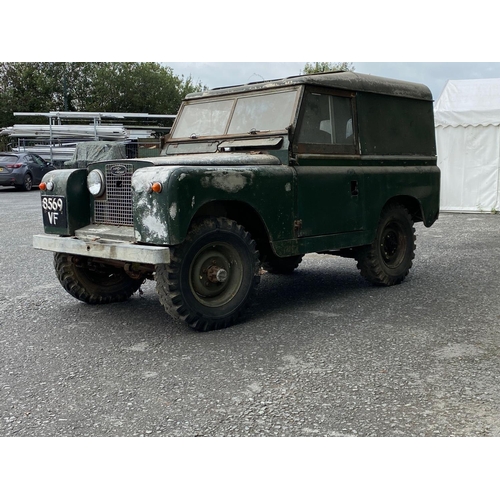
{"points": [[102, 182]]}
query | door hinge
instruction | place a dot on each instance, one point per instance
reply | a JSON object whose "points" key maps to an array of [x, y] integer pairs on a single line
{"points": [[297, 226]]}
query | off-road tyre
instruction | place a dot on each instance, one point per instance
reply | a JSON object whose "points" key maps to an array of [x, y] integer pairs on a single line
{"points": [[100, 285], [388, 259], [282, 265], [188, 286]]}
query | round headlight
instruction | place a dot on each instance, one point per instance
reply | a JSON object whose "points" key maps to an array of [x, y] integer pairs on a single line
{"points": [[95, 183]]}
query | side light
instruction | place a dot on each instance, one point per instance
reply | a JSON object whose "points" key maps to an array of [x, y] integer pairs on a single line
{"points": [[156, 187], [46, 186], [95, 183]]}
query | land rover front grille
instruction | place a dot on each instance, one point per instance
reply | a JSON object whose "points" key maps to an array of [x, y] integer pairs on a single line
{"points": [[116, 205]]}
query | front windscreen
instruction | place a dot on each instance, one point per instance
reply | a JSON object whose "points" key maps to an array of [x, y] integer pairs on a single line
{"points": [[204, 118], [237, 115]]}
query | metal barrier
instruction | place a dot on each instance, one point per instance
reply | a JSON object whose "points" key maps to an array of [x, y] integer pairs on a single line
{"points": [[58, 152]]}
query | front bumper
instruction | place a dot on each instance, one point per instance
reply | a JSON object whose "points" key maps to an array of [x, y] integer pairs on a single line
{"points": [[108, 249]]}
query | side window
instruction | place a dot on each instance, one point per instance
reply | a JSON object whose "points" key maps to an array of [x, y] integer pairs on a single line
{"points": [[327, 120], [39, 160], [315, 127]]}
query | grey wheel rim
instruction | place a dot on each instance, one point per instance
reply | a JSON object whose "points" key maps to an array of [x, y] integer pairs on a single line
{"points": [[216, 274], [28, 183]]}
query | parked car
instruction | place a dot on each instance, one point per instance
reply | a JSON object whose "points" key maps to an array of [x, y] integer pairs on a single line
{"points": [[22, 170]]}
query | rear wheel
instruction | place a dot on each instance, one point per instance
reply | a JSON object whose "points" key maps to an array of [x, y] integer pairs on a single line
{"points": [[389, 258], [27, 184], [93, 283], [211, 276]]}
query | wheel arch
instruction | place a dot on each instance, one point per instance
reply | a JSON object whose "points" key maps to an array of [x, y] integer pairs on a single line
{"points": [[411, 204], [26, 174], [242, 213]]}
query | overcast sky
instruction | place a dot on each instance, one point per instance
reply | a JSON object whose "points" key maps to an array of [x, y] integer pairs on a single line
{"points": [[433, 74], [224, 30]]}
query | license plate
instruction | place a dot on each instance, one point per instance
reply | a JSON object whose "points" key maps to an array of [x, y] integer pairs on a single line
{"points": [[54, 211]]}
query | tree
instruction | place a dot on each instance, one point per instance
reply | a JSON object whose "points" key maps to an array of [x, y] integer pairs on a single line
{"points": [[126, 87], [324, 67], [24, 87], [138, 88]]}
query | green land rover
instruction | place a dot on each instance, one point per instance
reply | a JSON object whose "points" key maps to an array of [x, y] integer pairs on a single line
{"points": [[252, 176]]}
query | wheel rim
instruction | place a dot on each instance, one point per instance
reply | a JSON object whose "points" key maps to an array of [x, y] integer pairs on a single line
{"points": [[28, 182], [216, 274], [393, 245]]}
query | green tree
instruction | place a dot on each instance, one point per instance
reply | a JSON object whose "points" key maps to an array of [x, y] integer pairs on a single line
{"points": [[138, 88], [24, 87], [324, 67], [126, 87]]}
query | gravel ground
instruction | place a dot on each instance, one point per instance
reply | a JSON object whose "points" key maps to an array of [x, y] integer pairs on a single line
{"points": [[321, 353]]}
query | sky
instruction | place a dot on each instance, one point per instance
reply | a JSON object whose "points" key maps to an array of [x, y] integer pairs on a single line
{"points": [[428, 42], [221, 43], [433, 74]]}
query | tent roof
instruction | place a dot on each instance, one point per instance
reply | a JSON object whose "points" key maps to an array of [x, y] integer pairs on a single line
{"points": [[469, 103]]}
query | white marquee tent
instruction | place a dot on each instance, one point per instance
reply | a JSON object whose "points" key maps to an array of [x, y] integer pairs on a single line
{"points": [[467, 118]]}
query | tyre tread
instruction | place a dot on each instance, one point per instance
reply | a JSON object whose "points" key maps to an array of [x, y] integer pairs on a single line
{"points": [[65, 272], [167, 276], [368, 261]]}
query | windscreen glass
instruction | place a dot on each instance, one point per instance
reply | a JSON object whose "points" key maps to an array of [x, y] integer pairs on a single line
{"points": [[238, 115], [262, 113], [204, 118]]}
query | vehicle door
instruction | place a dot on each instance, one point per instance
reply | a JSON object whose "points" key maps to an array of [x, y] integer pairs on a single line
{"points": [[38, 168], [32, 167], [329, 178]]}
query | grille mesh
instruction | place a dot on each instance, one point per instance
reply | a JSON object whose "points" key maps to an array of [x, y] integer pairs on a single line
{"points": [[116, 207]]}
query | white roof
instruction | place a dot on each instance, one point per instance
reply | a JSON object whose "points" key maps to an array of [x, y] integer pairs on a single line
{"points": [[469, 103]]}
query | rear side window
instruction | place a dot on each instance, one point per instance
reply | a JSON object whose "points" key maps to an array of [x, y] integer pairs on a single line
{"points": [[8, 159]]}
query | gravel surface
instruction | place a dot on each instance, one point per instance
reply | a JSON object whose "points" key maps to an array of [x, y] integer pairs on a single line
{"points": [[320, 353]]}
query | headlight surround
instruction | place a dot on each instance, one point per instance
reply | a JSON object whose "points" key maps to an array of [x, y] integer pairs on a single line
{"points": [[95, 183]]}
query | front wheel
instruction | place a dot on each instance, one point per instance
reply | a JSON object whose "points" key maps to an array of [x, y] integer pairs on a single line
{"points": [[211, 276], [93, 283], [389, 258]]}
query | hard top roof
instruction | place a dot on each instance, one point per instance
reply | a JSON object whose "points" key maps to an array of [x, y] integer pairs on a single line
{"points": [[345, 80]]}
